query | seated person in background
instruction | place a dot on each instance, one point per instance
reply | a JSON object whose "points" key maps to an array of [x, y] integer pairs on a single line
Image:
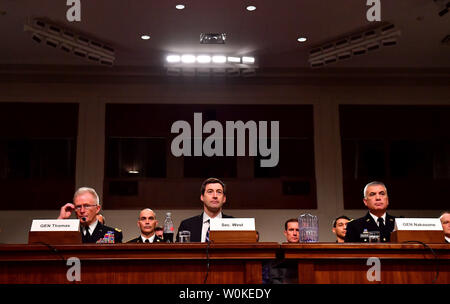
{"points": [[213, 196], [147, 223], [376, 200], [445, 221], [101, 218], [291, 231], [87, 206], [159, 232], [281, 271], [340, 228]]}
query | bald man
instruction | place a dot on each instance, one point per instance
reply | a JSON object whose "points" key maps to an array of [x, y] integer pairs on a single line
{"points": [[147, 223]]}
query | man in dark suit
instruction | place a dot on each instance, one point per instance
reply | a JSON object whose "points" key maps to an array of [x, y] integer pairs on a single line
{"points": [[147, 223], [87, 206], [445, 221], [213, 196], [376, 200]]}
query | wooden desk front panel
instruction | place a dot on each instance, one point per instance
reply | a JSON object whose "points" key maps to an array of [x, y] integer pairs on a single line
{"points": [[347, 264], [137, 264]]}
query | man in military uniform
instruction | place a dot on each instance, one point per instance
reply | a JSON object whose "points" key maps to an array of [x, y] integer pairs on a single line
{"points": [[87, 206], [445, 221], [376, 200], [147, 223]]}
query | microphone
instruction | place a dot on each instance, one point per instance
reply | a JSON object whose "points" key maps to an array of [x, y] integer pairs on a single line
{"points": [[83, 219]]}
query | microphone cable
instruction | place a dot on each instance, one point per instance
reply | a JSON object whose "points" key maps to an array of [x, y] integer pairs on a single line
{"points": [[207, 261], [434, 255]]}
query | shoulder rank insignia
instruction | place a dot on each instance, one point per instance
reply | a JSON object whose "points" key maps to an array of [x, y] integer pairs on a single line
{"points": [[118, 230]]}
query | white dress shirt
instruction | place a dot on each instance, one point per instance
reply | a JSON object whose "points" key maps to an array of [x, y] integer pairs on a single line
{"points": [[150, 238], [91, 228], [205, 226], [376, 218]]}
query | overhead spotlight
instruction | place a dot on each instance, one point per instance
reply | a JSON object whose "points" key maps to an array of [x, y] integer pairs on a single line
{"points": [[203, 59], [219, 59], [247, 60], [173, 58], [188, 58], [70, 42], [234, 59], [251, 8], [206, 65], [180, 6], [355, 44]]}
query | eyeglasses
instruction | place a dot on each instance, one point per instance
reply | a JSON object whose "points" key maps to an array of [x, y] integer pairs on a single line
{"points": [[86, 206]]}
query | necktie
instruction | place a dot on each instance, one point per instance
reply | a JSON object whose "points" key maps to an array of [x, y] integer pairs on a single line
{"points": [[88, 235], [207, 233], [147, 241], [380, 223]]}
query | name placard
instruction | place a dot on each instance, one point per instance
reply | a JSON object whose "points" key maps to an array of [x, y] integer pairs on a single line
{"points": [[232, 224], [55, 225], [409, 224]]}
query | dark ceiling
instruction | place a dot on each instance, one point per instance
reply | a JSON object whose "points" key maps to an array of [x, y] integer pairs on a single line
{"points": [[269, 33]]}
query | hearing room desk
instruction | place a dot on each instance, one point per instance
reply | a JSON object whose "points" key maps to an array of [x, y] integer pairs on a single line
{"points": [[325, 263], [136, 263], [317, 263]]}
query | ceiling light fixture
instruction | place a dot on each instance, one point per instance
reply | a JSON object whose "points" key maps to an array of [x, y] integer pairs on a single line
{"points": [[145, 37], [213, 38], [180, 6], [251, 8], [246, 59], [203, 59], [188, 58], [219, 59], [301, 39], [204, 65], [234, 59], [354, 45], [173, 58], [79, 45]]}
